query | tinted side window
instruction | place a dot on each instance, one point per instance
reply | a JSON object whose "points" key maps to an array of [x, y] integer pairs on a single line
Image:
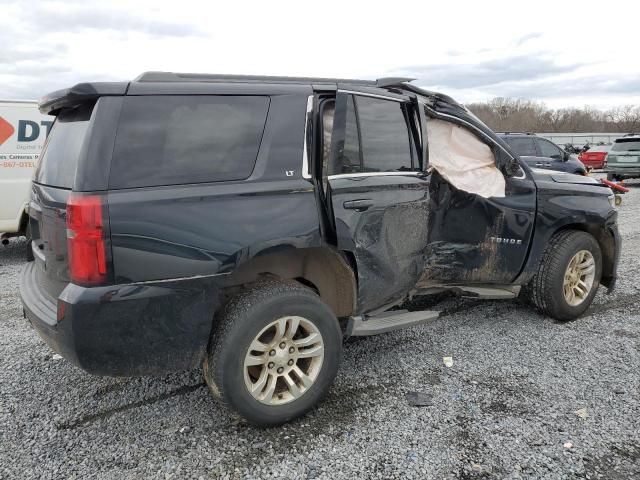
{"points": [[168, 140], [548, 149], [60, 156], [523, 146], [384, 135]]}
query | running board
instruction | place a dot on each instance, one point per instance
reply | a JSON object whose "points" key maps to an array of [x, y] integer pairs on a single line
{"points": [[362, 326], [490, 293]]}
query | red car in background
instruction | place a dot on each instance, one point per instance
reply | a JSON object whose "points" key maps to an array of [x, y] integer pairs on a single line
{"points": [[595, 157]]}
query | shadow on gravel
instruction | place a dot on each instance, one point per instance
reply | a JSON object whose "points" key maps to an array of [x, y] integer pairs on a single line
{"points": [[623, 301], [87, 419], [616, 465]]}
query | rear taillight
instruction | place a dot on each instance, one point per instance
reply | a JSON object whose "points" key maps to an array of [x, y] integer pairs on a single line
{"points": [[86, 239]]}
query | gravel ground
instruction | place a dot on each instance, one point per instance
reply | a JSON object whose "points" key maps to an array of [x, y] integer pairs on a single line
{"points": [[506, 408]]}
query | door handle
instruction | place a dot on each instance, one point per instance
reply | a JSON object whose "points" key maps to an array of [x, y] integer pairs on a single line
{"points": [[360, 205]]}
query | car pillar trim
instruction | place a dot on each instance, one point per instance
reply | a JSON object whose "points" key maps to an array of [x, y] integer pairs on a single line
{"points": [[305, 149]]}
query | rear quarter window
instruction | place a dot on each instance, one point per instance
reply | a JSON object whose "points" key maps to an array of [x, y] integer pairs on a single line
{"points": [[626, 146], [169, 140], [62, 151]]}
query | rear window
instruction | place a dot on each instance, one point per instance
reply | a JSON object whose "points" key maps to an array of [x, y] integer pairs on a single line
{"points": [[169, 140], [57, 166], [523, 146], [599, 148], [631, 145]]}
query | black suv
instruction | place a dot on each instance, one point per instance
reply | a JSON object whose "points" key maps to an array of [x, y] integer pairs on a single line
{"points": [[539, 152], [249, 224]]}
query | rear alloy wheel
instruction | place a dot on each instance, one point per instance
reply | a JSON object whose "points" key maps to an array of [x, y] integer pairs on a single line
{"points": [[568, 276], [274, 352], [284, 360]]}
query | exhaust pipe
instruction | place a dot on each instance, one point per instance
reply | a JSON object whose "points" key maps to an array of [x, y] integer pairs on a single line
{"points": [[4, 238]]}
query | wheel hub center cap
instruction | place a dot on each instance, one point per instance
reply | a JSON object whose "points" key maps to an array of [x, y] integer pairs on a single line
{"points": [[282, 356]]}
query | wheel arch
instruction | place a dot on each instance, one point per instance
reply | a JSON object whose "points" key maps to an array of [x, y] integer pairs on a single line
{"points": [[323, 269], [606, 242]]}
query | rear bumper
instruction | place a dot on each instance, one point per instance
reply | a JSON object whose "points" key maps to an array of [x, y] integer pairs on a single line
{"points": [[629, 172], [125, 330]]}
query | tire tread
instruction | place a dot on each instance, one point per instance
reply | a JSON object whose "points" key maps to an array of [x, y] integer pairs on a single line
{"points": [[540, 287]]}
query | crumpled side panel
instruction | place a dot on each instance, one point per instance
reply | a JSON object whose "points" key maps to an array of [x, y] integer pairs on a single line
{"points": [[389, 247], [459, 248]]}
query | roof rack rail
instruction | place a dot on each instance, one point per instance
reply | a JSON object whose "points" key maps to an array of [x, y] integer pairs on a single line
{"points": [[212, 78]]}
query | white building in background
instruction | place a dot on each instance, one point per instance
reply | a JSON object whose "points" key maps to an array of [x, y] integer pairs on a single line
{"points": [[580, 139]]}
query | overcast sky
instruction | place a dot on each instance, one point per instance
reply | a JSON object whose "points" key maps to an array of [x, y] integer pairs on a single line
{"points": [[562, 53]]}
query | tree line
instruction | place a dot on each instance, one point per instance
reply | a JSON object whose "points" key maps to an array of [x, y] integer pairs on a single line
{"points": [[517, 115]]}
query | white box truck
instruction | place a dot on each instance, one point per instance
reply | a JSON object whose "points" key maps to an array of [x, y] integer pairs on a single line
{"points": [[23, 130]]}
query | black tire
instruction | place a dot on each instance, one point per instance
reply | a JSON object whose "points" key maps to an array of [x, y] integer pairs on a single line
{"points": [[242, 319], [545, 290]]}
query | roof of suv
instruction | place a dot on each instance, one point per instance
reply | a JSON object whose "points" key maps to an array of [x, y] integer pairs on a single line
{"points": [[55, 101]]}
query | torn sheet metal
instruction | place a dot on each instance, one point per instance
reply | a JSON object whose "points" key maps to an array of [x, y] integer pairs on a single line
{"points": [[463, 159]]}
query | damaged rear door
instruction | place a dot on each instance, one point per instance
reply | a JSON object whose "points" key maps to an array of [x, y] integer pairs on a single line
{"points": [[378, 193]]}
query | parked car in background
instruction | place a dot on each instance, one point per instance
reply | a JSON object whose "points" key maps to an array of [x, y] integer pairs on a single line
{"points": [[23, 130], [595, 157], [623, 160], [248, 224], [538, 152]]}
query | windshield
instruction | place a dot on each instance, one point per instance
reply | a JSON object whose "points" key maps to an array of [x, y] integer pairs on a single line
{"points": [[631, 145], [57, 167]]}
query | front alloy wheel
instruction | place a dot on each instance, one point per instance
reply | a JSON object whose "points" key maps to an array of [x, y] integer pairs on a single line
{"points": [[284, 360], [579, 277]]}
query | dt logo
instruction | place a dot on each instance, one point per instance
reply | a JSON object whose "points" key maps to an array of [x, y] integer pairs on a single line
{"points": [[6, 130]]}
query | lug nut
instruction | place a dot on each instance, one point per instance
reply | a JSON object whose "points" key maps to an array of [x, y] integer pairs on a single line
{"points": [[271, 364], [272, 353], [290, 362], [291, 349], [280, 370], [282, 345]]}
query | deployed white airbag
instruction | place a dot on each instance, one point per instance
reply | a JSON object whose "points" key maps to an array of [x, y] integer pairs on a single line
{"points": [[463, 159]]}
